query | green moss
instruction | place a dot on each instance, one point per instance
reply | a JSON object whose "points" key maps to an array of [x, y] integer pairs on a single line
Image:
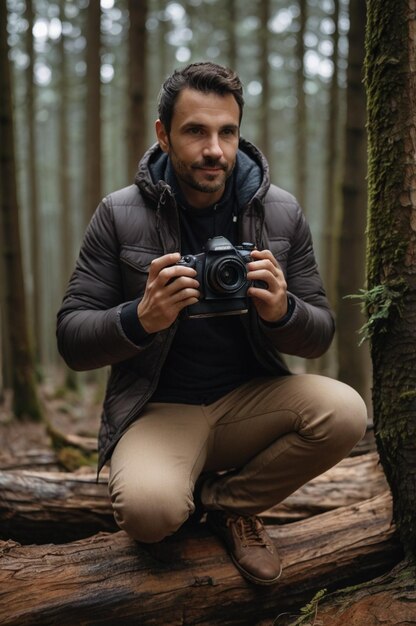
{"points": [[308, 613], [72, 458], [380, 303]]}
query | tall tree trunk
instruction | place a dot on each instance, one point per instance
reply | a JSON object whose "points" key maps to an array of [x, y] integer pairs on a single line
{"points": [[66, 237], [231, 9], [301, 123], [353, 360], [391, 258], [331, 196], [25, 399], [64, 165], [34, 210], [327, 364], [137, 124], [93, 122], [265, 143]]}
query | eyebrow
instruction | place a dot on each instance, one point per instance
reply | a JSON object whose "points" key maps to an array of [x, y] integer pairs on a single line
{"points": [[201, 125]]}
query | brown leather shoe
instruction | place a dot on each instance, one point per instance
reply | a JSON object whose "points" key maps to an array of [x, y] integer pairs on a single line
{"points": [[250, 547]]}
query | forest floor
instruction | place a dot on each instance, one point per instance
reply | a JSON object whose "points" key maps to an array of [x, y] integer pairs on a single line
{"points": [[72, 412], [78, 413]]}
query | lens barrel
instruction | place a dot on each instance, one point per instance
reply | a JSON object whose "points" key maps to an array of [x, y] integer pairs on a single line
{"points": [[226, 274]]}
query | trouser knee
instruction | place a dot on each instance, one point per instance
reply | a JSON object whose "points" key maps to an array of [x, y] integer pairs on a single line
{"points": [[347, 420], [149, 514]]}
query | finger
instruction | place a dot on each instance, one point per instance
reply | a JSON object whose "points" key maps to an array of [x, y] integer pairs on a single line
{"points": [[181, 283], [173, 273], [263, 254], [157, 265]]}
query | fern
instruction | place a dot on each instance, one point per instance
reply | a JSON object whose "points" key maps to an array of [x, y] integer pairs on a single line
{"points": [[379, 304]]}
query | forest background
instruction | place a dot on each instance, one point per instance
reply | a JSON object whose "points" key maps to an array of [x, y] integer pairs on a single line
{"points": [[86, 76], [78, 89]]}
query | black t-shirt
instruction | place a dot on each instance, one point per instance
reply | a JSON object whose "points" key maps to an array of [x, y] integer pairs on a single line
{"points": [[209, 356]]}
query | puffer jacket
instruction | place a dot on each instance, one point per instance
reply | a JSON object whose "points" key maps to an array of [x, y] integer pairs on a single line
{"points": [[139, 223]]}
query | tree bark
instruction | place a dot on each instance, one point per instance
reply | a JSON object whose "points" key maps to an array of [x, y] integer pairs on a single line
{"points": [[38, 506], [391, 259], [389, 601], [189, 579]]}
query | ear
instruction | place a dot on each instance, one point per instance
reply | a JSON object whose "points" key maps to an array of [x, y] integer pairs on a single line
{"points": [[162, 136]]}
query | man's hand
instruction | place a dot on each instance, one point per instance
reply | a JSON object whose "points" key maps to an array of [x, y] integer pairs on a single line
{"points": [[270, 303], [169, 289]]}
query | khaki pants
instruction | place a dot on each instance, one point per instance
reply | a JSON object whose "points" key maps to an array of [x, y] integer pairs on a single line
{"points": [[274, 433]]}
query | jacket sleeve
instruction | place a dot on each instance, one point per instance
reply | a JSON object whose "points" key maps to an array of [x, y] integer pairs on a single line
{"points": [[309, 330], [89, 331]]}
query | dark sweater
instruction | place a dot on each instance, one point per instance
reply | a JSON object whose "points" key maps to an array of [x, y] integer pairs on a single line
{"points": [[209, 356]]}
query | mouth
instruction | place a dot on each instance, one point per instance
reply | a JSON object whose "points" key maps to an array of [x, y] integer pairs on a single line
{"points": [[211, 168]]}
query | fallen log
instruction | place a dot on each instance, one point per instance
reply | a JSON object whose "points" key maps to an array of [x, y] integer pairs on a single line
{"points": [[35, 459], [352, 480], [389, 599], [108, 579], [61, 506]]}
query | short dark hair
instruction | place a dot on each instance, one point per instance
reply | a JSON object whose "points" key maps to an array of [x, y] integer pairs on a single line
{"points": [[206, 77]]}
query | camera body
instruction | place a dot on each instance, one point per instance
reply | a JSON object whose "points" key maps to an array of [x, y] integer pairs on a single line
{"points": [[222, 276]]}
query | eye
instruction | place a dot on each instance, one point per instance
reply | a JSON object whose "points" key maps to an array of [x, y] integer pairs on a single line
{"points": [[194, 130], [229, 132]]}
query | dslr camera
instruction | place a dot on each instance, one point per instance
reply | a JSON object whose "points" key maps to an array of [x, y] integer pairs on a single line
{"points": [[222, 276]]}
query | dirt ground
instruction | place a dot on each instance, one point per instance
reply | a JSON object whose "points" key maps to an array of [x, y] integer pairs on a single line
{"points": [[69, 412]]}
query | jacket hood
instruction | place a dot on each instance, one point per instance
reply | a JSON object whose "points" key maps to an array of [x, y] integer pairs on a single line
{"points": [[251, 172]]}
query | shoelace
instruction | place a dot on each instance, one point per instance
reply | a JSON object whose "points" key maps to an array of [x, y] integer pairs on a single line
{"points": [[249, 530]]}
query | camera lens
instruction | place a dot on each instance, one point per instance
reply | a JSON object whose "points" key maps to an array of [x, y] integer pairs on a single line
{"points": [[227, 275]]}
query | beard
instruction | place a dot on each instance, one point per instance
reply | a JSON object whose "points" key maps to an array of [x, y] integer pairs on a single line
{"points": [[197, 175]]}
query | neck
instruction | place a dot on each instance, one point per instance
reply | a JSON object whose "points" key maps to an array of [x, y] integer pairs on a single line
{"points": [[200, 199]]}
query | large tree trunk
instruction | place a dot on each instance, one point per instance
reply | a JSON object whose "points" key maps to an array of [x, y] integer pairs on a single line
{"points": [[391, 262], [188, 579], [25, 398]]}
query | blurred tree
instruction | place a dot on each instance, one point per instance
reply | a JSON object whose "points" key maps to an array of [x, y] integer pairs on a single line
{"points": [[66, 238], [332, 197], [64, 161], [137, 70], [25, 398], [301, 121], [264, 120], [353, 360], [93, 166], [231, 21], [391, 257], [32, 176]]}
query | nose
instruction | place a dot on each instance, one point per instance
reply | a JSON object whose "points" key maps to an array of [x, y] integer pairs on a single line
{"points": [[212, 148]]}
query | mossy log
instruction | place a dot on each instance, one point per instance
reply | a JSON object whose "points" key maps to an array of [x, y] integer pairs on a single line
{"points": [[189, 579], [61, 506], [389, 600]]}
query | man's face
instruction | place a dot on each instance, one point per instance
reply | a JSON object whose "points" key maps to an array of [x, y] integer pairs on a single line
{"points": [[202, 144]]}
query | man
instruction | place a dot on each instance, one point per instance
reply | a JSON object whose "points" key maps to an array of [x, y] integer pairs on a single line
{"points": [[203, 410]]}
